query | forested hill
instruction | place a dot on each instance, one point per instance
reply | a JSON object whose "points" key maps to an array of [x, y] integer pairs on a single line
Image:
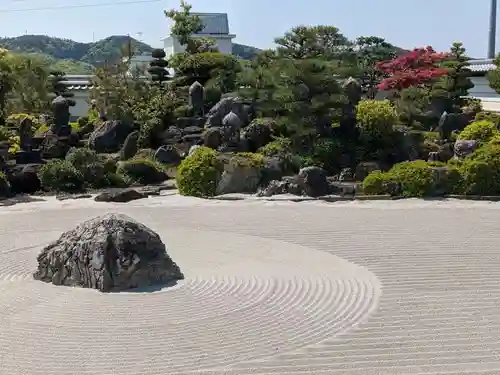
{"points": [[80, 58]]}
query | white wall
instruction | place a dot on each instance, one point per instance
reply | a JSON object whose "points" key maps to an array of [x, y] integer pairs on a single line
{"points": [[482, 88], [82, 98], [223, 43]]}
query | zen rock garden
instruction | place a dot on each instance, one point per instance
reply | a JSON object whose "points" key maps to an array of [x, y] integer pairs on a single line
{"points": [[367, 119], [110, 253]]}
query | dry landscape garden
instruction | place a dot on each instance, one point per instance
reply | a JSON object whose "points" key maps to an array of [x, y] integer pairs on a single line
{"points": [[153, 240]]}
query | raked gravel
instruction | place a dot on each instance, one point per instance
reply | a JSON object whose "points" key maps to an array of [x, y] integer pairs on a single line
{"points": [[356, 288]]}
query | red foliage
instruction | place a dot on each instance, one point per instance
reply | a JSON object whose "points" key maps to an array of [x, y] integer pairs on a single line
{"points": [[416, 67]]}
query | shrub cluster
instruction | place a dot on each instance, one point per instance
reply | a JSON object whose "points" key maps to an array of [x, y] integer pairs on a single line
{"points": [[85, 169]]}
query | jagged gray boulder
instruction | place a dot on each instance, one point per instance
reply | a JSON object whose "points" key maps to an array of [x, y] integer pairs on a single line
{"points": [[109, 253]]}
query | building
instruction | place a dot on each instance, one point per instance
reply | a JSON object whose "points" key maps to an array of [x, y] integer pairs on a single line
{"points": [[79, 86], [215, 27], [490, 99]]}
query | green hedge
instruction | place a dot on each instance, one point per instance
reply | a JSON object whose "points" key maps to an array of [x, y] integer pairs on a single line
{"points": [[482, 131], [413, 179], [197, 175]]}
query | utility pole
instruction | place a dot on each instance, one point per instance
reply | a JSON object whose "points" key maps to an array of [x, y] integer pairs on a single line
{"points": [[493, 29]]}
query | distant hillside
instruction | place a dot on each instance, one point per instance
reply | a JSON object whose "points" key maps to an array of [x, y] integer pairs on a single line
{"points": [[94, 53], [80, 58]]}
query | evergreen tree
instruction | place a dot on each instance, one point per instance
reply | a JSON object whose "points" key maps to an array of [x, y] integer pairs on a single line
{"points": [[368, 52], [451, 88]]}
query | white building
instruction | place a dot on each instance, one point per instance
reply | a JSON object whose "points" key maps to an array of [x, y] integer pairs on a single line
{"points": [[490, 99], [80, 86], [215, 27]]}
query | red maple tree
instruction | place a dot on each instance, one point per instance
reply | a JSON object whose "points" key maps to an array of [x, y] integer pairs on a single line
{"points": [[412, 69]]}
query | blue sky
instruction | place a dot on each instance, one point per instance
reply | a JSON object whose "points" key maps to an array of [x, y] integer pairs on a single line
{"points": [[406, 23]]}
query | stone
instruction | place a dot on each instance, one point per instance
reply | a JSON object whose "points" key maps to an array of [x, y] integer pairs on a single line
{"points": [[313, 181], [109, 136], [452, 122], [212, 138], [287, 185], [130, 146], [238, 176], [109, 253], [25, 134], [218, 112], [167, 154], [60, 107], [353, 90], [196, 98], [24, 179], [464, 148], [255, 136], [346, 175], [363, 169], [193, 149], [54, 146], [224, 106], [119, 195]]}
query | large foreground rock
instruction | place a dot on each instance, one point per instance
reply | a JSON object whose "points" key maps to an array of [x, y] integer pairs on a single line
{"points": [[110, 253]]}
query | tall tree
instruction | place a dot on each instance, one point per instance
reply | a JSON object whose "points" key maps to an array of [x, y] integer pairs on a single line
{"points": [[318, 42], [185, 25], [494, 75], [370, 50], [453, 87], [418, 67]]}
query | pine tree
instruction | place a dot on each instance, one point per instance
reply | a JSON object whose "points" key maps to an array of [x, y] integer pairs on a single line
{"points": [[452, 88]]}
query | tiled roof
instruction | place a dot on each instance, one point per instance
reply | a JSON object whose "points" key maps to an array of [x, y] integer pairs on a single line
{"points": [[214, 23], [483, 65]]}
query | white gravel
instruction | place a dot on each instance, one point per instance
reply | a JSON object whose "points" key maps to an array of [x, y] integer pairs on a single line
{"points": [[355, 288]]}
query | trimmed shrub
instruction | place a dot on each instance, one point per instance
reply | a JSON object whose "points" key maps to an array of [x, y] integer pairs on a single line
{"points": [[376, 117], [480, 172], [61, 175], [488, 116], [377, 183], [142, 170], [481, 131], [416, 178], [198, 174], [99, 171]]}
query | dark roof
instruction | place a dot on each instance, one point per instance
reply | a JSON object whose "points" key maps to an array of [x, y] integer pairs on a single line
{"points": [[214, 23]]}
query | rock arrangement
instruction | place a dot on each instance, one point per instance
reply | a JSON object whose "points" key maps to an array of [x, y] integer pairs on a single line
{"points": [[109, 253]]}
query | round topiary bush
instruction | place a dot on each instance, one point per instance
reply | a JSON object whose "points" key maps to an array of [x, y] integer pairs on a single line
{"points": [[198, 174], [376, 117], [142, 170], [481, 131], [61, 175], [416, 178], [480, 172], [377, 183]]}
